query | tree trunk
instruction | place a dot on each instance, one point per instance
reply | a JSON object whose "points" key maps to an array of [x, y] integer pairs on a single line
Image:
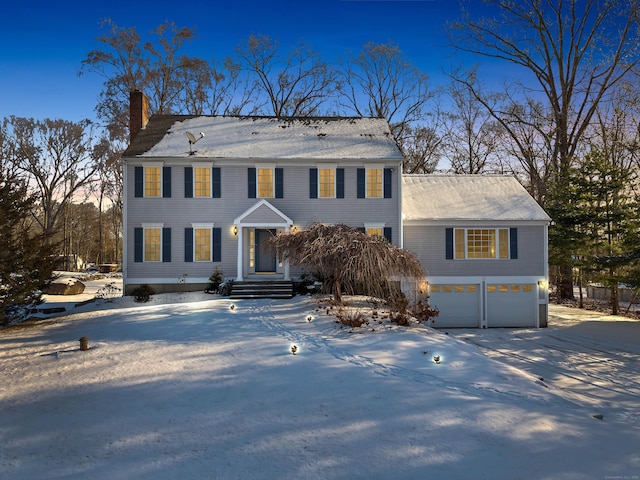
{"points": [[614, 294], [337, 291], [581, 297], [565, 283]]}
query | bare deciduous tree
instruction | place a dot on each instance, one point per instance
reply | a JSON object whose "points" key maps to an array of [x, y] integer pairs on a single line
{"points": [[472, 135], [297, 85], [422, 150], [56, 157], [123, 66], [380, 82]]}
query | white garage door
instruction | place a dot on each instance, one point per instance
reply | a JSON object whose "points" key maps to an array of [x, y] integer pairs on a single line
{"points": [[459, 305], [511, 305]]}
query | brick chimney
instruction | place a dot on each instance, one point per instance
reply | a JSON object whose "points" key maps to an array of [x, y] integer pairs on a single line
{"points": [[138, 112]]}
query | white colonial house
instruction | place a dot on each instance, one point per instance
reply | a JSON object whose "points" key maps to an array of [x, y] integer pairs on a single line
{"points": [[207, 192]]}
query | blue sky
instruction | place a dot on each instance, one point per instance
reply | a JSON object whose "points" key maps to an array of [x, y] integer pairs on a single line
{"points": [[42, 43]]}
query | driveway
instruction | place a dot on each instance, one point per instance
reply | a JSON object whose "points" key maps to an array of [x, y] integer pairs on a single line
{"points": [[588, 358]]}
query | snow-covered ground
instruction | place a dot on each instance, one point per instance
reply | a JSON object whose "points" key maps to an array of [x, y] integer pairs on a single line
{"points": [[187, 387]]}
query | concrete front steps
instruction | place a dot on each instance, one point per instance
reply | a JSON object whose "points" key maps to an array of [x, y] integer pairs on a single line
{"points": [[262, 289]]}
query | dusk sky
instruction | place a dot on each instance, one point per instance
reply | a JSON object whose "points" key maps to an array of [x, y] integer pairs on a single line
{"points": [[42, 43]]}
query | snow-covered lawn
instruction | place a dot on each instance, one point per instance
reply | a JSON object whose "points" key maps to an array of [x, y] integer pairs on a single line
{"points": [[185, 387]]}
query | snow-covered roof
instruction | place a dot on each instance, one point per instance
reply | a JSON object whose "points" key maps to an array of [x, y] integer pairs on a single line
{"points": [[322, 138], [467, 197]]}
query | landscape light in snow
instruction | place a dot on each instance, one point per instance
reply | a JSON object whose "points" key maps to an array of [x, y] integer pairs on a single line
{"points": [[309, 318], [294, 349], [232, 307], [436, 359]]}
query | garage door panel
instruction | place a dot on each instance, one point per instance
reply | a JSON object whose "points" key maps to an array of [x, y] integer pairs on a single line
{"points": [[511, 305], [458, 305]]}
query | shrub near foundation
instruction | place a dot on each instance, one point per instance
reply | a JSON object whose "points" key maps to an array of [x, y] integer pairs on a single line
{"points": [[143, 293]]}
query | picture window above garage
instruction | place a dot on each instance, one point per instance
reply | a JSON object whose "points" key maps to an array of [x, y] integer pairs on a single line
{"points": [[481, 243]]}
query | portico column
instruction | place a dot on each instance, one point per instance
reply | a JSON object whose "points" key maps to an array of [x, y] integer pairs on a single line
{"points": [[287, 274], [240, 252]]}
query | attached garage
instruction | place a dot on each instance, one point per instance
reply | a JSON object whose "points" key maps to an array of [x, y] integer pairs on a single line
{"points": [[485, 302], [483, 242], [458, 304]]}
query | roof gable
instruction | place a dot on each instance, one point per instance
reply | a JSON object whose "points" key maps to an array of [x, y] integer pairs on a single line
{"points": [[467, 197], [266, 137], [263, 213]]}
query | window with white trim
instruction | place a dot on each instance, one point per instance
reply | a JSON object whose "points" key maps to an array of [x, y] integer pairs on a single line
{"points": [[152, 244], [481, 243], [375, 182], [201, 181], [152, 181], [326, 182], [202, 244], [265, 182]]}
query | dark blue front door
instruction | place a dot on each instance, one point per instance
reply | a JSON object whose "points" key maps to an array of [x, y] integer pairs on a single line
{"points": [[265, 253]]}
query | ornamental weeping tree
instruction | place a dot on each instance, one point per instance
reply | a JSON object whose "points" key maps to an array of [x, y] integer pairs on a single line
{"points": [[346, 258]]}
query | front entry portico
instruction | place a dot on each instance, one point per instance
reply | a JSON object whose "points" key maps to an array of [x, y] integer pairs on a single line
{"points": [[256, 258]]}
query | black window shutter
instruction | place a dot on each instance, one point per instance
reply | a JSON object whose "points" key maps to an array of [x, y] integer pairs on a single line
{"points": [[188, 182], [138, 174], [166, 244], [138, 242], [387, 182], [279, 183], [188, 244], [217, 182], [449, 243], [313, 183], [217, 244], [251, 172], [513, 243], [339, 182], [362, 183], [387, 233], [166, 182]]}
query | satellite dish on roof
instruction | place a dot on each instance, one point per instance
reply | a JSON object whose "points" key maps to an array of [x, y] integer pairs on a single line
{"points": [[192, 140]]}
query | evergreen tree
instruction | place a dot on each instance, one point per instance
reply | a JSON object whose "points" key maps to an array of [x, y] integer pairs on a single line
{"points": [[26, 265], [611, 209]]}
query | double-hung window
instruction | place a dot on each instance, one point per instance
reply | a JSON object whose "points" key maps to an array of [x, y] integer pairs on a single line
{"points": [[374, 182], [266, 181], [326, 181], [152, 181], [152, 243], [375, 229], [482, 243], [202, 243], [202, 182]]}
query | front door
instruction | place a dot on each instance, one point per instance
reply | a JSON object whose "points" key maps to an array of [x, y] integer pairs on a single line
{"points": [[265, 253]]}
